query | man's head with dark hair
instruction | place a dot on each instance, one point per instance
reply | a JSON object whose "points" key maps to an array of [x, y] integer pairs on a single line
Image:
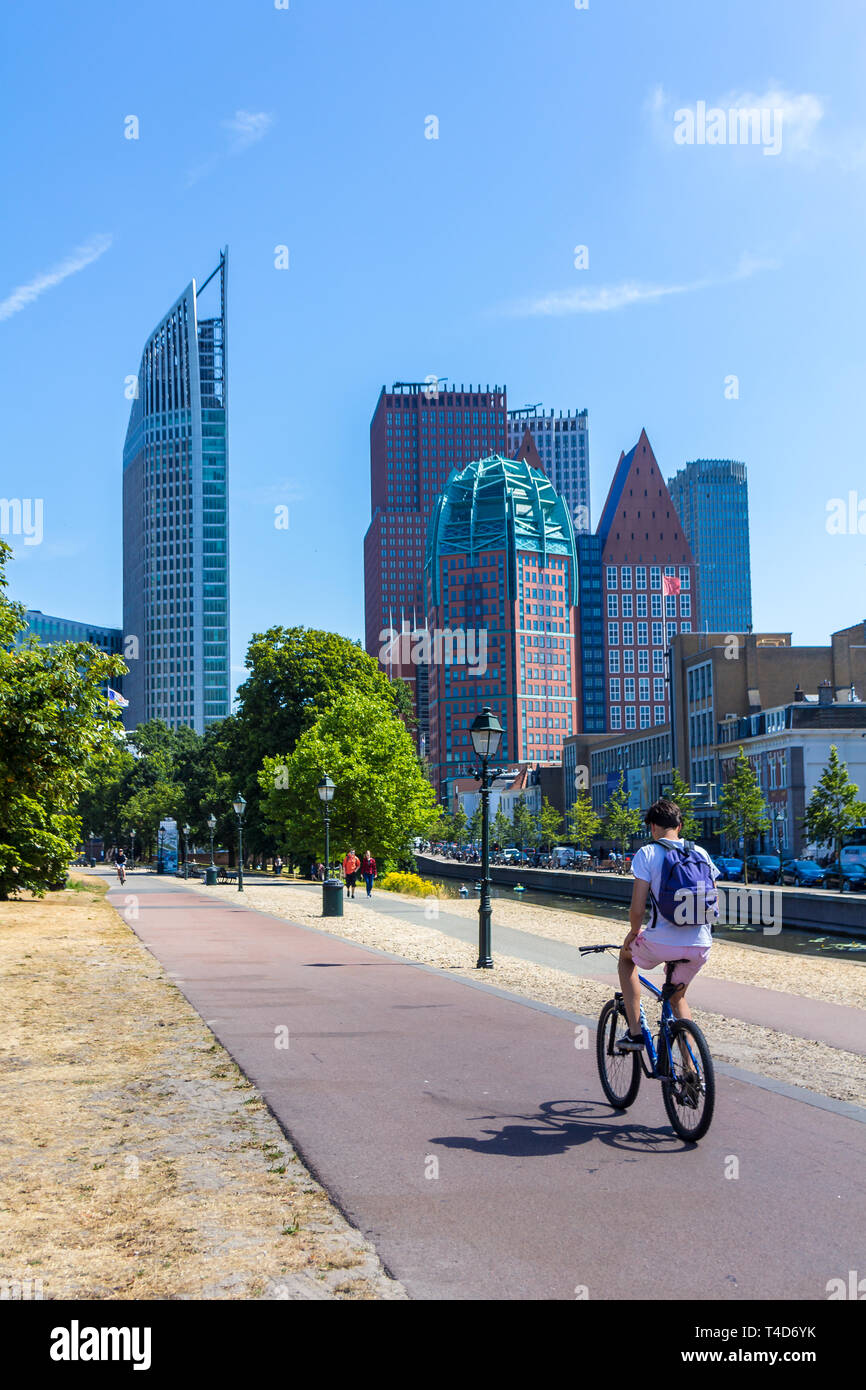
{"points": [[665, 814]]}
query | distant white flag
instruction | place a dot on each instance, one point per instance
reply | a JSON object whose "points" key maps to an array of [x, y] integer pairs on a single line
{"points": [[115, 698]]}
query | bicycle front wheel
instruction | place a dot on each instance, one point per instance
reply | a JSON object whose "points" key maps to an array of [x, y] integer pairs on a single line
{"points": [[619, 1071], [690, 1091]]}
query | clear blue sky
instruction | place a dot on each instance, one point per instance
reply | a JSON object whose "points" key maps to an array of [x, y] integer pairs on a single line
{"points": [[409, 256]]}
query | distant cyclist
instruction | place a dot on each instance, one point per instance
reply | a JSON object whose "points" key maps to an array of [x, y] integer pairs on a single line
{"points": [[120, 864], [678, 879]]}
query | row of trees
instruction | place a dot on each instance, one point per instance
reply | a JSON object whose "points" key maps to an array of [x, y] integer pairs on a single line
{"points": [[833, 810], [313, 703]]}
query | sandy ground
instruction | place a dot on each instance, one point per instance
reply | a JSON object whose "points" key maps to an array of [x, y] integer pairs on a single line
{"points": [[812, 1065], [137, 1160]]}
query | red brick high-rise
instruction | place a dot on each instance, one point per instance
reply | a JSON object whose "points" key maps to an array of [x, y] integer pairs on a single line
{"points": [[642, 542], [420, 433]]}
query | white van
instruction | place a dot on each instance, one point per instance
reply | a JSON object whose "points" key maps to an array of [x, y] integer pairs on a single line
{"points": [[563, 856]]}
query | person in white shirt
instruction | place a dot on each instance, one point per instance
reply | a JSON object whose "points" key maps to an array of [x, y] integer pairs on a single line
{"points": [[662, 939]]}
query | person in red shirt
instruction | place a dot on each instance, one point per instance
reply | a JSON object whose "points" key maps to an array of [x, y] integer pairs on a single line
{"points": [[351, 865], [368, 871]]}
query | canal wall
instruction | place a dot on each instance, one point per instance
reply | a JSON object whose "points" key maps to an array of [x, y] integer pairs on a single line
{"points": [[810, 909]]}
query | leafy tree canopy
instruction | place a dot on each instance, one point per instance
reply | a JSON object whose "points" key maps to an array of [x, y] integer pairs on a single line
{"points": [[382, 799]]}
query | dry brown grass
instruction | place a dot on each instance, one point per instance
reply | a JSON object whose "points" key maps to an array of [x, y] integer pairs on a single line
{"points": [[137, 1160]]}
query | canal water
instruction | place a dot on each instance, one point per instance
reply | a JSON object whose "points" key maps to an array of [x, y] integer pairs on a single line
{"points": [[790, 939]]}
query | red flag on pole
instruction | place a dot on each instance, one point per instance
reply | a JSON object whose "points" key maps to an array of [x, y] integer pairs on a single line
{"points": [[670, 584]]}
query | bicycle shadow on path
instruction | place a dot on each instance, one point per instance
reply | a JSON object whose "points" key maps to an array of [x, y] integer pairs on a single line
{"points": [[562, 1125]]}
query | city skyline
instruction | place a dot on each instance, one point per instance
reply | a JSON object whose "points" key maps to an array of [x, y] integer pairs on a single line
{"points": [[698, 318]]}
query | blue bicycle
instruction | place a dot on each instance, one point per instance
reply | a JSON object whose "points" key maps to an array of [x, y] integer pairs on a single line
{"points": [[679, 1058]]}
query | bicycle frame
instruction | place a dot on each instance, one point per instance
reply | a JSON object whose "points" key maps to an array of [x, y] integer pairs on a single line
{"points": [[660, 1062]]}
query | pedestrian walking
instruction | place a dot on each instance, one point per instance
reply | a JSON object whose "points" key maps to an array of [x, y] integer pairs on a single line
{"points": [[278, 865], [351, 865], [368, 871], [320, 872]]}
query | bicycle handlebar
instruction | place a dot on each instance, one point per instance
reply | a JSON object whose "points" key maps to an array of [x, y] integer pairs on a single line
{"points": [[611, 946]]}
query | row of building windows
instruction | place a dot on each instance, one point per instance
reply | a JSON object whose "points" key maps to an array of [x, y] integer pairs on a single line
{"points": [[628, 606], [630, 717], [659, 635], [640, 575]]}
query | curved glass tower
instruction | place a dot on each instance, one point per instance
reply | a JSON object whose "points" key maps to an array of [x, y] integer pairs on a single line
{"points": [[175, 521]]}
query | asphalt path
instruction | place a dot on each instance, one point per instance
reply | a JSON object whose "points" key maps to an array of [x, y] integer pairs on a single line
{"points": [[464, 1131]]}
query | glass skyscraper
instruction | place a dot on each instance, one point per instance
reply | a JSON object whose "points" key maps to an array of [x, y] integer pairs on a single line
{"points": [[175, 521], [712, 500]]}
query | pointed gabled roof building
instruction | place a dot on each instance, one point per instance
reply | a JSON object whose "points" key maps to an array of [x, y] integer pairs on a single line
{"points": [[639, 544]]}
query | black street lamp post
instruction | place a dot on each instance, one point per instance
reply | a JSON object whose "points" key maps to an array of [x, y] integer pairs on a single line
{"points": [[133, 833], [210, 872], [240, 806], [486, 734], [332, 903], [186, 851]]}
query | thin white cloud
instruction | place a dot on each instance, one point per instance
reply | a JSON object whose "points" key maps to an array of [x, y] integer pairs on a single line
{"points": [[81, 257], [247, 128], [605, 298]]}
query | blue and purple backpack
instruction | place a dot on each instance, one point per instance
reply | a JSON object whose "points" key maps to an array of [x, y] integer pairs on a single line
{"points": [[687, 894]]}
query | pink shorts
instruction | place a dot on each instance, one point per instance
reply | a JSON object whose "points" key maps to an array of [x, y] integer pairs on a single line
{"points": [[646, 956]]}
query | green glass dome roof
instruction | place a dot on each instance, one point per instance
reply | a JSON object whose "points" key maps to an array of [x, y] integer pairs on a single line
{"points": [[500, 504]]}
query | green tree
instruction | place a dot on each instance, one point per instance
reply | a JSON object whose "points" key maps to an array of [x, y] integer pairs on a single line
{"points": [[382, 799], [524, 823], [57, 729], [295, 675], [741, 806], [681, 793], [621, 821], [459, 826], [501, 828], [474, 828], [585, 822], [834, 807], [549, 823]]}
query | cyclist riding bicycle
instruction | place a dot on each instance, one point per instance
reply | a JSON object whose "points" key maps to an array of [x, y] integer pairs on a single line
{"points": [[681, 932], [120, 864]]}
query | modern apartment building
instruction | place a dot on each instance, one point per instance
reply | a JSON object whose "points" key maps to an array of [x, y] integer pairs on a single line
{"points": [[175, 517], [641, 573], [711, 497], [501, 571], [562, 442], [421, 433]]}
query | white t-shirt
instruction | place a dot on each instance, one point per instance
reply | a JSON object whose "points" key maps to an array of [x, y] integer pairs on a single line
{"points": [[647, 865]]}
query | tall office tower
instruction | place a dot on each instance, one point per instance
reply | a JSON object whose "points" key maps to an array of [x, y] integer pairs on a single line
{"points": [[420, 433], [712, 500], [562, 442], [644, 572], [501, 572], [175, 523]]}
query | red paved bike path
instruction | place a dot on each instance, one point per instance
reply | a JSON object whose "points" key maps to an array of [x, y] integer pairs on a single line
{"points": [[542, 1189]]}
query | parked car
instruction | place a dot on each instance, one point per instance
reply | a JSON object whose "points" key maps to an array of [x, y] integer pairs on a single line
{"points": [[729, 867], [803, 873], [845, 877], [763, 868]]}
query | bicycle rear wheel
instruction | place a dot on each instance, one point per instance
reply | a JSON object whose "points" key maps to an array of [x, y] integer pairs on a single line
{"points": [[619, 1071], [690, 1092]]}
